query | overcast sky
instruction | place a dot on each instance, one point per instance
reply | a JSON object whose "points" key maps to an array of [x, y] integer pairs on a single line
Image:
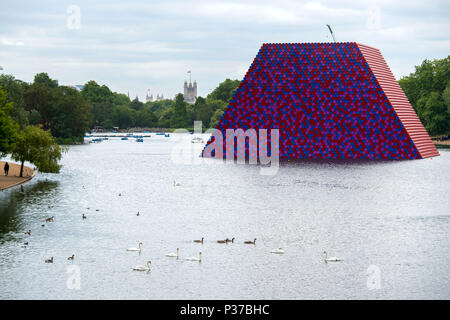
{"points": [[135, 45]]}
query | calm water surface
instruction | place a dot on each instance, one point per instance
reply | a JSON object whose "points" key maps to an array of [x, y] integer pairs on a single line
{"points": [[393, 215]]}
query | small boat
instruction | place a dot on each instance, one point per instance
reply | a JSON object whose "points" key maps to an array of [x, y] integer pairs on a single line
{"points": [[167, 135], [197, 140], [139, 140], [160, 133], [124, 138], [97, 140]]}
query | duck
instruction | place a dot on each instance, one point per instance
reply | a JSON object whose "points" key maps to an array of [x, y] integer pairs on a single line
{"points": [[250, 242], [199, 259], [28, 233], [174, 255], [176, 184], [143, 268], [49, 219], [223, 241], [42, 225], [331, 259], [71, 257], [278, 251], [83, 216], [25, 243], [136, 249], [232, 240], [199, 241], [49, 260], [138, 214]]}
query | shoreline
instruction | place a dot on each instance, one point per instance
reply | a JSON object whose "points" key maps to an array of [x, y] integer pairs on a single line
{"points": [[13, 178]]}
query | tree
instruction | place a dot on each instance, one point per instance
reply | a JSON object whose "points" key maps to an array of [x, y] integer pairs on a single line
{"points": [[216, 118], [179, 117], [44, 79], [15, 91], [38, 147], [8, 128], [146, 119], [225, 90], [427, 91], [203, 111], [136, 104]]}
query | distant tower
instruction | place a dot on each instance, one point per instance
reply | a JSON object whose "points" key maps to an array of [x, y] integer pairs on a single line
{"points": [[190, 90], [148, 98]]}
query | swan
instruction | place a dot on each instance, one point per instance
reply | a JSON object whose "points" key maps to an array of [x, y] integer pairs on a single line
{"points": [[49, 260], [331, 259], [176, 184], [278, 251], [199, 259], [199, 241], [71, 257], [136, 249], [143, 268], [175, 255], [250, 242]]}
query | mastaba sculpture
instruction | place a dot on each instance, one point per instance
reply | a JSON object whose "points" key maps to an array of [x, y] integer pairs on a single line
{"points": [[329, 101]]}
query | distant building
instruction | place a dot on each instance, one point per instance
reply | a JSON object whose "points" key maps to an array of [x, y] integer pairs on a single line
{"points": [[149, 97], [190, 92]]}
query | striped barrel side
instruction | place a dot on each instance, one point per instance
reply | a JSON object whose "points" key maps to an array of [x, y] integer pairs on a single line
{"points": [[399, 101]]}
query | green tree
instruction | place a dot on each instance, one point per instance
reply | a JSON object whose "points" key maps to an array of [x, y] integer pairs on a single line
{"points": [[15, 92], [179, 118], [44, 79], [225, 90], [8, 128], [38, 147], [146, 119], [216, 118], [203, 111], [136, 104], [426, 91]]}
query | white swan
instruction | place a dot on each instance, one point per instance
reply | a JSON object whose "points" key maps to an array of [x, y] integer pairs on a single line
{"points": [[136, 249], [331, 259], [199, 259], [278, 251], [143, 268], [175, 255]]}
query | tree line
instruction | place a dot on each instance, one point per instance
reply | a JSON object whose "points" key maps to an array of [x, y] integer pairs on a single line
{"points": [[428, 91]]}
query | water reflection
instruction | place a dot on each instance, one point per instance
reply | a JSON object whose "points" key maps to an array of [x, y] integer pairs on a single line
{"points": [[13, 201]]}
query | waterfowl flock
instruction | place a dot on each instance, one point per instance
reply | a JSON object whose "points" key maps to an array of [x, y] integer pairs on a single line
{"points": [[147, 266]]}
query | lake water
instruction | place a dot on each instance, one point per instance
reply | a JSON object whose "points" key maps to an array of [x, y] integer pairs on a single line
{"points": [[387, 221]]}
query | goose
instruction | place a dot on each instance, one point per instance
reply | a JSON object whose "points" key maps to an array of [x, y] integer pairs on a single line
{"points": [[176, 184], [136, 249], [223, 241], [250, 242], [199, 259], [174, 255], [71, 257], [49, 260], [331, 259], [278, 251], [28, 232], [83, 216], [232, 240], [143, 268], [199, 241]]}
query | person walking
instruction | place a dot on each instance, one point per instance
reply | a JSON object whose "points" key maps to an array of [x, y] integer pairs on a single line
{"points": [[6, 168]]}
